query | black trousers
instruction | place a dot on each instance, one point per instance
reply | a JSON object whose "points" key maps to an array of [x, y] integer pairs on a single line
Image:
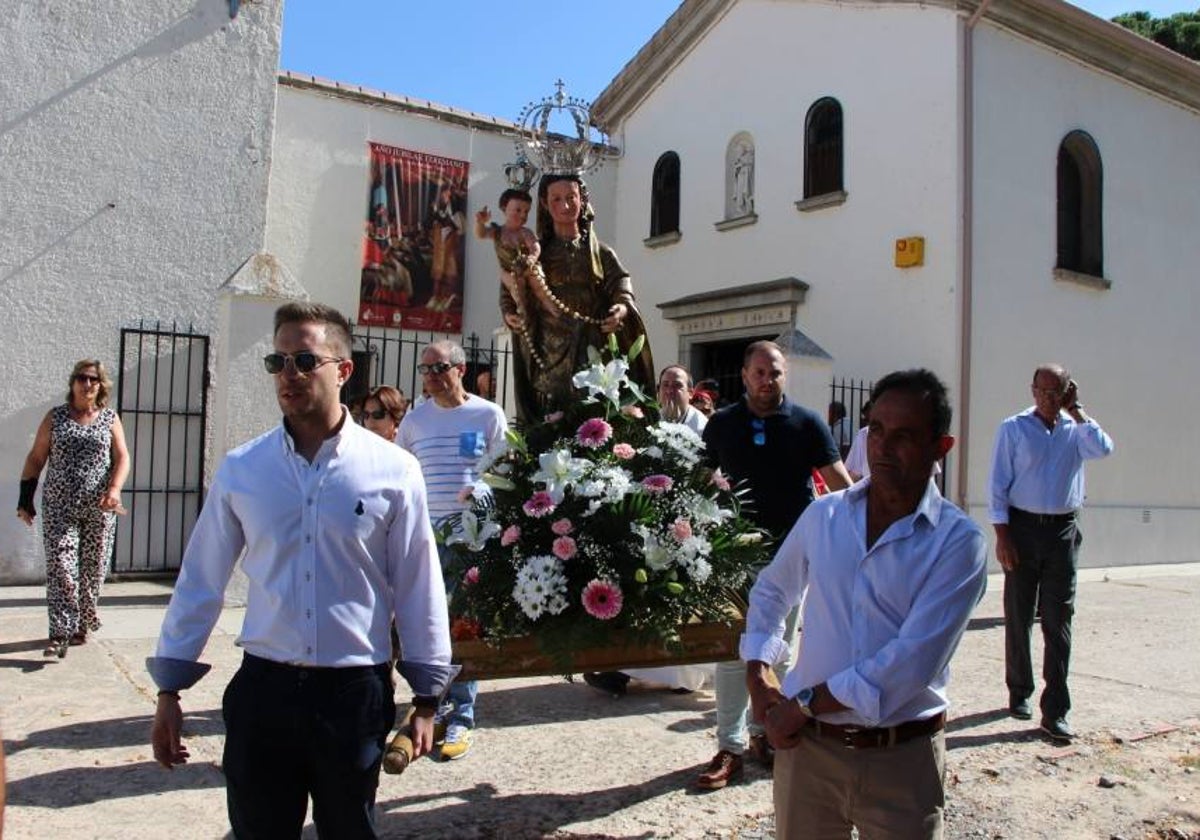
{"points": [[1047, 551], [292, 733]]}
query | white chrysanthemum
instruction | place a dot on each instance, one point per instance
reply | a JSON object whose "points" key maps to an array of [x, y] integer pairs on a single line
{"points": [[698, 569], [680, 439], [652, 452], [695, 546], [540, 586]]}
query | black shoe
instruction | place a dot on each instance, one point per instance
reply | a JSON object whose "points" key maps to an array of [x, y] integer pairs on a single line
{"points": [[1020, 709], [1057, 730], [612, 682], [761, 750]]}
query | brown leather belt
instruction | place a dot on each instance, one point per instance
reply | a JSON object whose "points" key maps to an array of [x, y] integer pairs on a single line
{"points": [[857, 738]]}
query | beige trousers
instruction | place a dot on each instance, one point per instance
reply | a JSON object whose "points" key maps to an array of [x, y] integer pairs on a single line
{"points": [[823, 788]]}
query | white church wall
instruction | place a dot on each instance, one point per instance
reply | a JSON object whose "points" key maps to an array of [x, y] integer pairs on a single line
{"points": [[1130, 346], [319, 185], [759, 70], [135, 140]]}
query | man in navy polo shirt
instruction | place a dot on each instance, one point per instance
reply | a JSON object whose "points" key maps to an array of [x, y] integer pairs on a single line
{"points": [[773, 445]]}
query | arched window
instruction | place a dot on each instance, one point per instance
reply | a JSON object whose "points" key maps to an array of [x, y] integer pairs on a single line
{"points": [[739, 177], [664, 195], [823, 148], [1080, 199]]}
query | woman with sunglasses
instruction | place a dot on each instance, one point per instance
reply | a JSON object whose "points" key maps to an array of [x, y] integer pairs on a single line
{"points": [[381, 411], [83, 444]]}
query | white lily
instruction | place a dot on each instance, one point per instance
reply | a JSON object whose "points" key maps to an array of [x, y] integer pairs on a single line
{"points": [[472, 533], [657, 556], [559, 471], [603, 379]]}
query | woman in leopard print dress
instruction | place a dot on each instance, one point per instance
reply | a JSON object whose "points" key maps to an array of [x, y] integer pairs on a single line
{"points": [[84, 444]]}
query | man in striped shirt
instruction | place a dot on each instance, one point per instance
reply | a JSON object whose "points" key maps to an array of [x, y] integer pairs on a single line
{"points": [[448, 432]]}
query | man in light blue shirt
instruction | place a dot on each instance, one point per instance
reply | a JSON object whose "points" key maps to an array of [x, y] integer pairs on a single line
{"points": [[887, 573], [1036, 492]]}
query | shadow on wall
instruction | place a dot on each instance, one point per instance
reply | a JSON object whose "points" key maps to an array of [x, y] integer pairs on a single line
{"points": [[204, 18]]}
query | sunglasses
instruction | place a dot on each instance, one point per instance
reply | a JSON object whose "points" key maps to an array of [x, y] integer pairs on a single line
{"points": [[760, 431], [87, 379], [377, 414], [437, 368], [303, 362]]}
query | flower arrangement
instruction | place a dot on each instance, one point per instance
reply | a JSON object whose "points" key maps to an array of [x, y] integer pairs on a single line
{"points": [[600, 520]]}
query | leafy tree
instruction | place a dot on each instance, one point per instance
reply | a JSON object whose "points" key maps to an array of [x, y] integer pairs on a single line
{"points": [[1179, 32]]}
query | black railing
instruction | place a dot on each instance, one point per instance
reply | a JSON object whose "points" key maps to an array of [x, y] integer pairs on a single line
{"points": [[162, 397], [384, 356]]}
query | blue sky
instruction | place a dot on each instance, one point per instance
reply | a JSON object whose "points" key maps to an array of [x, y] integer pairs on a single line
{"points": [[494, 57]]}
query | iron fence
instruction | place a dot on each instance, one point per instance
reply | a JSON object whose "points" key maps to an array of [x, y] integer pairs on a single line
{"points": [[162, 397], [384, 356]]}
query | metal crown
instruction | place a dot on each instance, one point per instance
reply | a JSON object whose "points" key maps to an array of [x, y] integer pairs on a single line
{"points": [[556, 153]]}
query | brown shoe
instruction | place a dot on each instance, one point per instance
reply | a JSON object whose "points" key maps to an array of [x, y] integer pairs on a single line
{"points": [[761, 751], [723, 769]]}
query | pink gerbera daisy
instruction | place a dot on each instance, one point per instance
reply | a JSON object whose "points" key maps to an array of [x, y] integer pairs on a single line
{"points": [[624, 451], [564, 548], [593, 433], [562, 527], [511, 534], [657, 483], [602, 599], [539, 505]]}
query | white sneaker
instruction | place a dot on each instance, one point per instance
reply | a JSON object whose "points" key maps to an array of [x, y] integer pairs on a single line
{"points": [[457, 743]]}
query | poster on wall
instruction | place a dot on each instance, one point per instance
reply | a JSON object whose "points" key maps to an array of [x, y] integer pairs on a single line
{"points": [[415, 243]]}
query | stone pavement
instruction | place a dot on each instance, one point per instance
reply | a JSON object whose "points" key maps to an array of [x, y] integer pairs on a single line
{"points": [[551, 758]]}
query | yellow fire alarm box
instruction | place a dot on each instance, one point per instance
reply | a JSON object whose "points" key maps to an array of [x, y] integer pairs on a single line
{"points": [[910, 251]]}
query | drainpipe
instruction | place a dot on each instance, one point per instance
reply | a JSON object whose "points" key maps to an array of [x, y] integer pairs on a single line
{"points": [[968, 235]]}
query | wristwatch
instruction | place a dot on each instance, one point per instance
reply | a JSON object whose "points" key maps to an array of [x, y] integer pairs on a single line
{"points": [[803, 699]]}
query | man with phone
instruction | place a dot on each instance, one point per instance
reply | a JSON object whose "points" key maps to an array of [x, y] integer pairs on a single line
{"points": [[1037, 489]]}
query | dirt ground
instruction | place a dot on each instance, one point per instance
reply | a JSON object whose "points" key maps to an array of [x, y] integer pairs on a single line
{"points": [[561, 760]]}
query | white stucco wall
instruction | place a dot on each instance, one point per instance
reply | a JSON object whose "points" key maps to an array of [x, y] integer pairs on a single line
{"points": [[319, 184], [893, 69], [1131, 347], [135, 140]]}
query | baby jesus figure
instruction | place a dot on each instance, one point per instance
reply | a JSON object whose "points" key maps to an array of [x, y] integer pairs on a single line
{"points": [[517, 250]]}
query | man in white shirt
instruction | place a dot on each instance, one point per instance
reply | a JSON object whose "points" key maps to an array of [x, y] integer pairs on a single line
{"points": [[448, 432], [888, 573], [333, 523]]}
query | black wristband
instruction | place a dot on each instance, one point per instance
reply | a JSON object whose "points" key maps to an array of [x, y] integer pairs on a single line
{"points": [[174, 694], [424, 701], [25, 499]]}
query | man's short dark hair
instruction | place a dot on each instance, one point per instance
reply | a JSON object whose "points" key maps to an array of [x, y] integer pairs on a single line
{"points": [[838, 409], [519, 195], [337, 331], [760, 347], [925, 384]]}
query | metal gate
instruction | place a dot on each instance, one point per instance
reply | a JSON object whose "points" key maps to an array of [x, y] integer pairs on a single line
{"points": [[162, 399]]}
